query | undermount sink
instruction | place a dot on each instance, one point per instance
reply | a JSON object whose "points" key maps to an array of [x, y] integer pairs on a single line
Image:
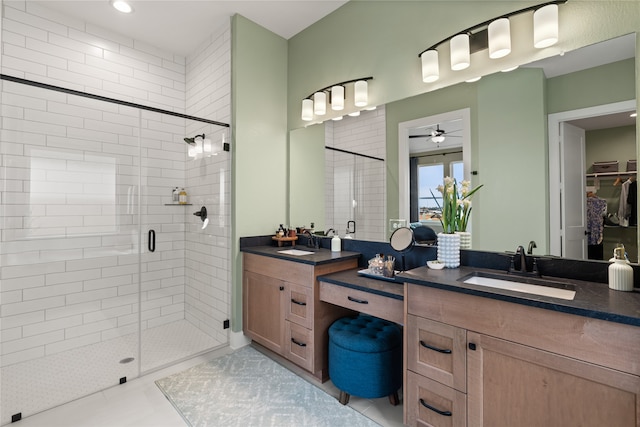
{"points": [[527, 285], [296, 252]]}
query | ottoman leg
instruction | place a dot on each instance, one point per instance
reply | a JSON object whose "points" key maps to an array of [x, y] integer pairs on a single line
{"points": [[394, 399], [344, 397]]}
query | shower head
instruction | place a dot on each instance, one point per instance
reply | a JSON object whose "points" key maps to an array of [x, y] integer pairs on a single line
{"points": [[192, 141]]}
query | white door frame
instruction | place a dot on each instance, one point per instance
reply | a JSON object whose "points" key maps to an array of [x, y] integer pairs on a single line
{"points": [[403, 151], [555, 178]]}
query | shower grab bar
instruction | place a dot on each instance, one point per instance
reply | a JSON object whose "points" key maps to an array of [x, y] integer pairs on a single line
{"points": [[152, 240]]}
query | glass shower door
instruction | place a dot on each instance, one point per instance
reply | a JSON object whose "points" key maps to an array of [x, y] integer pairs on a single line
{"points": [[70, 248]]}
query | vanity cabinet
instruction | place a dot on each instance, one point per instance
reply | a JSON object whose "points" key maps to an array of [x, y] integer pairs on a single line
{"points": [[282, 310], [484, 362]]}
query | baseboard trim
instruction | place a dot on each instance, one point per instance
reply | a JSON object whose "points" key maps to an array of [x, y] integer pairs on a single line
{"points": [[238, 340]]}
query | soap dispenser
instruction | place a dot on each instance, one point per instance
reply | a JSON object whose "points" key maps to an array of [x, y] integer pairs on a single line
{"points": [[620, 272], [336, 243]]}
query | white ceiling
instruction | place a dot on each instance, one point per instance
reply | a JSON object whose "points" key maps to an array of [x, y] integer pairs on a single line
{"points": [[180, 26]]}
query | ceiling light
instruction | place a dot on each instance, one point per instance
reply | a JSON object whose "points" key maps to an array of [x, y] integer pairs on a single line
{"points": [[122, 6], [438, 139], [430, 66], [460, 52], [545, 26], [499, 38]]}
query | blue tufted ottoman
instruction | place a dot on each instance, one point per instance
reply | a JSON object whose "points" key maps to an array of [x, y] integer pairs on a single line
{"points": [[365, 358]]}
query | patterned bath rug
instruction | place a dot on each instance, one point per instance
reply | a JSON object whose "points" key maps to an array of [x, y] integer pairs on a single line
{"points": [[246, 388]]}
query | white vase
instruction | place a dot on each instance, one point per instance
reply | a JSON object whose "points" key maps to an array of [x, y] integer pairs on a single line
{"points": [[465, 239], [449, 249]]}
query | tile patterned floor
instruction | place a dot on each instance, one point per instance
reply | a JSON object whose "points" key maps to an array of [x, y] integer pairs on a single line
{"points": [[37, 385], [140, 403]]}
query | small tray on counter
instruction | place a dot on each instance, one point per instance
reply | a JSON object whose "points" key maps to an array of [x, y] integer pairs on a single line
{"points": [[367, 272]]}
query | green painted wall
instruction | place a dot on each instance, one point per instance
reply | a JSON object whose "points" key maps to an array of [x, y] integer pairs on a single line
{"points": [[307, 163], [596, 86], [259, 140]]}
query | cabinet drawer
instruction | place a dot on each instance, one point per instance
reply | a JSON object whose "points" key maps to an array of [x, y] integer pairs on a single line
{"points": [[296, 272], [298, 345], [437, 351], [364, 302], [429, 403], [299, 305]]}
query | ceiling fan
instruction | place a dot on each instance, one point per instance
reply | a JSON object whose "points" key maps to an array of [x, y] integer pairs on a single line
{"points": [[437, 135]]}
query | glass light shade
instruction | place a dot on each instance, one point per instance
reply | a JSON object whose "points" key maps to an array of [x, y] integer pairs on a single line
{"points": [[545, 26], [206, 145], [199, 148], [361, 95], [320, 103], [499, 38], [473, 79], [460, 52], [337, 98], [438, 139], [336, 119], [307, 110], [217, 146], [354, 114], [430, 66], [192, 151]]}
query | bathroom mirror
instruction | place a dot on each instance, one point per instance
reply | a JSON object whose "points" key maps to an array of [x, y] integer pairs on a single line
{"points": [[496, 145]]}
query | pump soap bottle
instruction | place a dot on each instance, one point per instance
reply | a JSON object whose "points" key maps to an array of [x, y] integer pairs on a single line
{"points": [[620, 272], [336, 243]]}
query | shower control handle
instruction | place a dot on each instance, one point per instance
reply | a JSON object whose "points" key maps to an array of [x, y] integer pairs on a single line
{"points": [[152, 240]]}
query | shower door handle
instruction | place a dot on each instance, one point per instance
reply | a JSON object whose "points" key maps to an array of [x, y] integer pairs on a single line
{"points": [[152, 240]]}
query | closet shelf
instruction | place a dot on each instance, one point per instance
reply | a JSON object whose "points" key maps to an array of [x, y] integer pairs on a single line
{"points": [[611, 174]]}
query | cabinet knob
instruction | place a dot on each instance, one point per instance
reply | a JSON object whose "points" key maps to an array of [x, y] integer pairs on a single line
{"points": [[472, 346], [282, 288]]}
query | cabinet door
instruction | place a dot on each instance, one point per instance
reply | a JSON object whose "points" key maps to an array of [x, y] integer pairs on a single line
{"points": [[299, 304], [514, 385], [437, 351], [263, 313]]}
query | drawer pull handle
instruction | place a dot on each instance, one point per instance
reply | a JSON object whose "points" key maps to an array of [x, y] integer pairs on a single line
{"points": [[301, 344], [426, 405], [298, 302], [359, 301], [430, 347]]}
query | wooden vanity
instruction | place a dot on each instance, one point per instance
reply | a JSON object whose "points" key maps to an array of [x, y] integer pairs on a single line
{"points": [[281, 305], [481, 360]]}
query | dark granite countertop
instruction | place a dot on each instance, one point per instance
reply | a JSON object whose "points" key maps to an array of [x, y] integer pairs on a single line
{"points": [[592, 299], [319, 256], [351, 279]]}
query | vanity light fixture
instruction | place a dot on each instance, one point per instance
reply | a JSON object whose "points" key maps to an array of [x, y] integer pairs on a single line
{"points": [[316, 103], [201, 145], [495, 35]]}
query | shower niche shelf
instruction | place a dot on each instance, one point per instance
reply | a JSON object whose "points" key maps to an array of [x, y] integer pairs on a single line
{"points": [[178, 204]]}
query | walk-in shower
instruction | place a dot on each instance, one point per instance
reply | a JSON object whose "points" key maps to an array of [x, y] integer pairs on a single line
{"points": [[103, 276]]}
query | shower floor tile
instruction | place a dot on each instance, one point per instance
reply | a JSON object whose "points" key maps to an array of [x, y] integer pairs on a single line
{"points": [[40, 384]]}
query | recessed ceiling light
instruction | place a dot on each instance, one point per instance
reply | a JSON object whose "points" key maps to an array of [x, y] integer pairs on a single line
{"points": [[122, 6]]}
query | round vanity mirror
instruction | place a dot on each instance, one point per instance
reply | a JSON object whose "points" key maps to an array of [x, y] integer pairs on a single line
{"points": [[401, 239]]}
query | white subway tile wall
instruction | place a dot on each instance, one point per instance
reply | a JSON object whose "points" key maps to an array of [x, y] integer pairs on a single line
{"points": [[84, 180], [358, 183]]}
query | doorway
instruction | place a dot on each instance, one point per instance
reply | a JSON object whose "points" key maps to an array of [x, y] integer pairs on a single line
{"points": [[563, 206]]}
